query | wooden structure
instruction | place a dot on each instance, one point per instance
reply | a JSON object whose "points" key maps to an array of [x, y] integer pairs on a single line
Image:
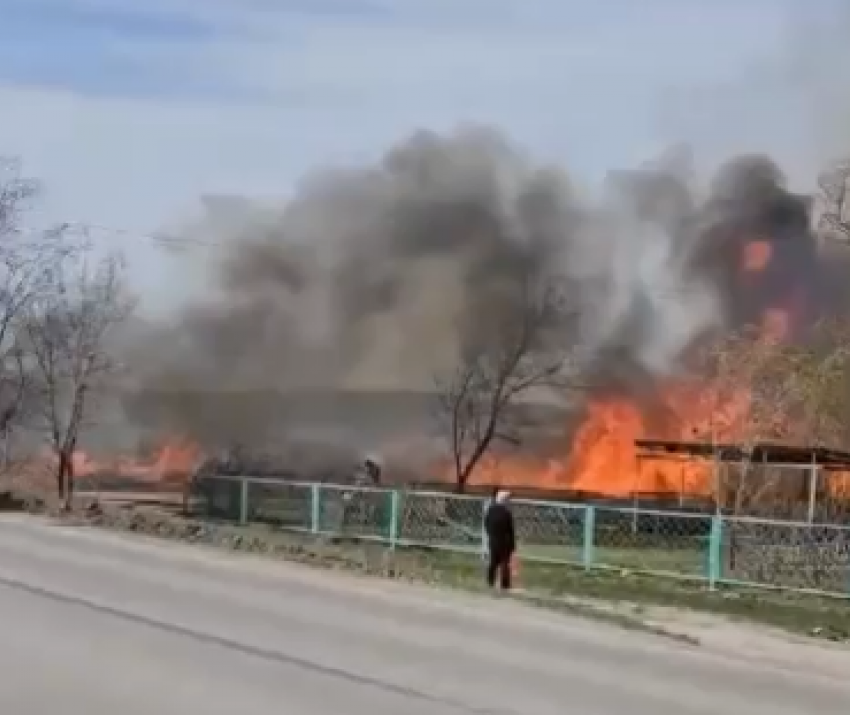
{"points": [[811, 460]]}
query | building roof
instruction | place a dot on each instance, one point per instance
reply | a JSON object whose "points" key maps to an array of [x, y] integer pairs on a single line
{"points": [[777, 454]]}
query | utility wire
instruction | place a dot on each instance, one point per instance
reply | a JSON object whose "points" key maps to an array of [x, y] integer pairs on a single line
{"points": [[173, 241]]}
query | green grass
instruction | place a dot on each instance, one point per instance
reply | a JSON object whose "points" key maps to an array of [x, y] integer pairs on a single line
{"points": [[689, 562], [807, 614]]}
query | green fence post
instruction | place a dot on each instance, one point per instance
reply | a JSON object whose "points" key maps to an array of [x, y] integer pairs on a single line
{"points": [[589, 537], [393, 530], [715, 552], [315, 508], [243, 502]]}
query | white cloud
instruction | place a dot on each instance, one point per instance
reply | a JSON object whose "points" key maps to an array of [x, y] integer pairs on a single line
{"points": [[288, 87]]}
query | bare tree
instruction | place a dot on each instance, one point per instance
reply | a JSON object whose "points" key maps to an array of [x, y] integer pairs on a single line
{"points": [[751, 395], [779, 393], [819, 373], [834, 202], [516, 346], [27, 260], [67, 332]]}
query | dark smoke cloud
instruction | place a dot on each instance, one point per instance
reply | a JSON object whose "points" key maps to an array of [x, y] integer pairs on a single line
{"points": [[364, 280], [370, 279]]}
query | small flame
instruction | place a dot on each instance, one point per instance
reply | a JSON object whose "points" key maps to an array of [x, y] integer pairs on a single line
{"points": [[757, 256], [174, 461]]}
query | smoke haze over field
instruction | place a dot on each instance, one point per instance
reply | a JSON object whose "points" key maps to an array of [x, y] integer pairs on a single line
{"points": [[370, 278]]}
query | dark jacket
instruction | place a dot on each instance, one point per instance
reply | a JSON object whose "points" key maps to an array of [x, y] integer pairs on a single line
{"points": [[499, 526]]}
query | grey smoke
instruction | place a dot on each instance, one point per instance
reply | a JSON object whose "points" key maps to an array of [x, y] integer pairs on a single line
{"points": [[365, 278], [370, 279]]}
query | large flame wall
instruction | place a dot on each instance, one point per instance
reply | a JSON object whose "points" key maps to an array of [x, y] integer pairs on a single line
{"points": [[602, 456]]}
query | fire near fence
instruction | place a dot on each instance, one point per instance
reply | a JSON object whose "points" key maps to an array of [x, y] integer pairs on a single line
{"points": [[711, 548]]}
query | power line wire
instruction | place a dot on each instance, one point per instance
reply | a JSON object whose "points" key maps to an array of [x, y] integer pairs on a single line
{"points": [[158, 237], [178, 242]]}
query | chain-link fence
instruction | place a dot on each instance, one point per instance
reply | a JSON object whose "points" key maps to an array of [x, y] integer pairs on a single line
{"points": [[653, 541], [787, 555], [681, 544], [284, 504], [548, 531], [357, 513], [217, 498], [440, 520]]}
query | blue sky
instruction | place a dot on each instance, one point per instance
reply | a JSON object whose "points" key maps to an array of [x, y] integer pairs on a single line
{"points": [[129, 114]]}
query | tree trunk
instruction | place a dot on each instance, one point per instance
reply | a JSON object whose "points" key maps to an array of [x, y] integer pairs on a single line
{"points": [[60, 479], [65, 478], [69, 476], [462, 478]]}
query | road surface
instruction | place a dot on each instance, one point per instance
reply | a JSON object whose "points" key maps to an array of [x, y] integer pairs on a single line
{"points": [[99, 624]]}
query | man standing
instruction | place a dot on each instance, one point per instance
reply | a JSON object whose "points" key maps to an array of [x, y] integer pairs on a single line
{"points": [[501, 540]]}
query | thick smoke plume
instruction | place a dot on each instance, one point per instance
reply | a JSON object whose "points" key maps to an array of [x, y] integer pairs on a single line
{"points": [[370, 279]]}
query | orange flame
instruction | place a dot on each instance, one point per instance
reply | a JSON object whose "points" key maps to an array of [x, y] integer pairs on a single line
{"points": [[757, 256], [173, 462], [603, 457]]}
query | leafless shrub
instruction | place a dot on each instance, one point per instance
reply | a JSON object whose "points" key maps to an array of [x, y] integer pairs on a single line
{"points": [[834, 219], [790, 393], [516, 348], [66, 333], [28, 258]]}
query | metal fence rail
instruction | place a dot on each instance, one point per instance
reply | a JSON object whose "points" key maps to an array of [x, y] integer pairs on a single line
{"points": [[711, 548]]}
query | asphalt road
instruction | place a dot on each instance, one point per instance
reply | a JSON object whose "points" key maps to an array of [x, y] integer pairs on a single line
{"points": [[99, 624]]}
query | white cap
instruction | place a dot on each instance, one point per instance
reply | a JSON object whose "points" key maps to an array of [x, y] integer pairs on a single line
{"points": [[502, 496]]}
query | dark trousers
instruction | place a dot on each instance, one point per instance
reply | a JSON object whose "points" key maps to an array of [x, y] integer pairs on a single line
{"points": [[499, 565]]}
